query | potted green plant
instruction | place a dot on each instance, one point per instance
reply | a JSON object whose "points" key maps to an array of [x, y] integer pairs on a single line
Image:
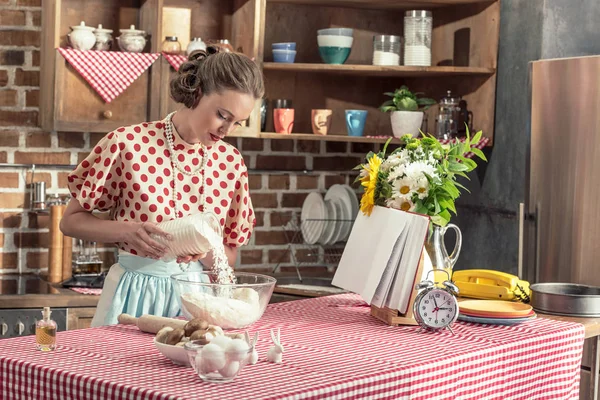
{"points": [[406, 110]]}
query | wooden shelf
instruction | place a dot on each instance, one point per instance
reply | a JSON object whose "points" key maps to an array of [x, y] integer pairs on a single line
{"points": [[382, 4], [376, 70], [308, 136]]}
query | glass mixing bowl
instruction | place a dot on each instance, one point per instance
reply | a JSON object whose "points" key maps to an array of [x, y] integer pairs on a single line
{"points": [[230, 306]]}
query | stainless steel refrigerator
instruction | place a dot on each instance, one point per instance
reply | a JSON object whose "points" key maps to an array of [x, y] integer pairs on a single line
{"points": [[560, 220]]}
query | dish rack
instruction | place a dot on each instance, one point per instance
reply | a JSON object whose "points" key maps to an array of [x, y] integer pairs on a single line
{"points": [[327, 255]]}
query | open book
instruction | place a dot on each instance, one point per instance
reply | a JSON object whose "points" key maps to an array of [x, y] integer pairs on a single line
{"points": [[381, 258]]}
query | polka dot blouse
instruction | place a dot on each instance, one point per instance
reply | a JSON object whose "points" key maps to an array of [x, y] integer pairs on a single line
{"points": [[129, 172]]}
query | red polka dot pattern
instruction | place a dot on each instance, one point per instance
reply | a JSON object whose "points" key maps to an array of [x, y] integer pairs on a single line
{"points": [[129, 171]]}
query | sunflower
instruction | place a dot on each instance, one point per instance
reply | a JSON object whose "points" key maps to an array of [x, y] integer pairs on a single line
{"points": [[368, 180]]}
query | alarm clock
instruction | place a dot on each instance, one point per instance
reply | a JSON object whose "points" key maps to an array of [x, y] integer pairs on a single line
{"points": [[436, 308]]}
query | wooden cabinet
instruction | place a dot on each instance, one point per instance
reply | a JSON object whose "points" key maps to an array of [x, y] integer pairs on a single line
{"points": [[68, 103], [80, 317], [464, 59]]}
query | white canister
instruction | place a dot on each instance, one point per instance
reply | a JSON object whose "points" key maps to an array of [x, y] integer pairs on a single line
{"points": [[132, 40], [82, 37], [386, 49], [103, 38], [417, 37], [195, 44]]}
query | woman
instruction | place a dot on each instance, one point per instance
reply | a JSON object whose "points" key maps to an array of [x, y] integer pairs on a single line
{"points": [[157, 171]]}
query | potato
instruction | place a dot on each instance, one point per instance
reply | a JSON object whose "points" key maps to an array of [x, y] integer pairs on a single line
{"points": [[161, 336], [175, 336], [194, 325]]}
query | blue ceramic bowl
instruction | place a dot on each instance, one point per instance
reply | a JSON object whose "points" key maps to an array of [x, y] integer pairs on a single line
{"points": [[284, 56], [334, 55], [284, 46]]}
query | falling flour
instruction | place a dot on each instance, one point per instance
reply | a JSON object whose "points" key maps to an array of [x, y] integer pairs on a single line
{"points": [[220, 266], [239, 310]]}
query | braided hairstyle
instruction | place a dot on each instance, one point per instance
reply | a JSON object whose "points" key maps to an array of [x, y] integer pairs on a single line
{"points": [[213, 70]]}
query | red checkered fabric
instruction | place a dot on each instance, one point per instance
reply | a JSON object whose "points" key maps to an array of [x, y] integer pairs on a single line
{"points": [[334, 349], [175, 60], [108, 72]]}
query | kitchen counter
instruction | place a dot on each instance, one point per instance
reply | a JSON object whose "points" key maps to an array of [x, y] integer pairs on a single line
{"points": [[32, 291]]}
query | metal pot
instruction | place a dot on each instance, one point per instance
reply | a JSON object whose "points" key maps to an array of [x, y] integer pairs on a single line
{"points": [[566, 299]]}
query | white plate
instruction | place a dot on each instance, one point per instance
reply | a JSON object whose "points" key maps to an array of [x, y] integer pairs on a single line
{"points": [[329, 233], [313, 208], [339, 225], [340, 194], [353, 200]]}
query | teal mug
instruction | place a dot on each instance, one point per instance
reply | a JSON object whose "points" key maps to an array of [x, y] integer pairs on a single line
{"points": [[355, 122]]}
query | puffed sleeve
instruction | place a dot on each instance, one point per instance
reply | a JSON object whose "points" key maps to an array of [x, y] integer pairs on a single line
{"points": [[240, 217], [96, 182]]}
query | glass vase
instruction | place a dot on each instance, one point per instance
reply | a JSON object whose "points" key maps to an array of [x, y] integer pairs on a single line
{"points": [[437, 252]]}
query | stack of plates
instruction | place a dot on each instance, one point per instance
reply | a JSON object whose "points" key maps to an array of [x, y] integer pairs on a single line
{"points": [[329, 220], [495, 312]]}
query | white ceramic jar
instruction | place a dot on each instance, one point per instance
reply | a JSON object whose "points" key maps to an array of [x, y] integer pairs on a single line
{"points": [[132, 40], [103, 38], [82, 37], [195, 44]]}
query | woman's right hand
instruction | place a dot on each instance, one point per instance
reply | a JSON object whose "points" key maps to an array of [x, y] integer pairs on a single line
{"points": [[137, 235]]}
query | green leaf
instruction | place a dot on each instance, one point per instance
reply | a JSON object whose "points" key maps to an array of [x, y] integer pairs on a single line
{"points": [[478, 153], [456, 167], [477, 137], [439, 220]]}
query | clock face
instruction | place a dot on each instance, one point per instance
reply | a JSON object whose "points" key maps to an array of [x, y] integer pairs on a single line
{"points": [[437, 308]]}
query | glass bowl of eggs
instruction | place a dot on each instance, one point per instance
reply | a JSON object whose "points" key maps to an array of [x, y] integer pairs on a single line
{"points": [[220, 360], [230, 306]]}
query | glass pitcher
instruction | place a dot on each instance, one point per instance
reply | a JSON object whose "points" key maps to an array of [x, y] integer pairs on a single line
{"points": [[448, 116], [437, 252]]}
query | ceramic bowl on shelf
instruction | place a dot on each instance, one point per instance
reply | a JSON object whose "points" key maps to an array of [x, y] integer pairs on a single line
{"points": [[218, 362], [284, 56], [176, 354], [336, 32], [284, 46], [82, 37], [230, 306], [335, 45]]}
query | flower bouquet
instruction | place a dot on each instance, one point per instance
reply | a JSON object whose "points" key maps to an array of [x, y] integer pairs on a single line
{"points": [[419, 176]]}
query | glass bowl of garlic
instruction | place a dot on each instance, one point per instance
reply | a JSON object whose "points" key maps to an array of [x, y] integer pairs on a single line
{"points": [[220, 360], [228, 305]]}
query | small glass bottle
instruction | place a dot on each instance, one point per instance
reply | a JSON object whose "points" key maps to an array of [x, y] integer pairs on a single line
{"points": [[45, 332], [171, 45]]}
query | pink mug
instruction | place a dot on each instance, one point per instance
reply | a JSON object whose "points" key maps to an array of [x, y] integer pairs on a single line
{"points": [[283, 119]]}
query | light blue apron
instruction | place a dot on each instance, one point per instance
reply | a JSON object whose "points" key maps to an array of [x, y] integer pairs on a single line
{"points": [[144, 288]]}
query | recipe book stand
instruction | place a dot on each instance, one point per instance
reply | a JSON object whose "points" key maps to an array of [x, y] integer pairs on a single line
{"points": [[395, 317]]}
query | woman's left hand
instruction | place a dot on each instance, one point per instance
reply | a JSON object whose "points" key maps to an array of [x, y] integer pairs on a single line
{"points": [[188, 259]]}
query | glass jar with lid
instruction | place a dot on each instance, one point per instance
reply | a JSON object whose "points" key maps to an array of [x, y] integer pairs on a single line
{"points": [[417, 37], [171, 45], [386, 50], [448, 116]]}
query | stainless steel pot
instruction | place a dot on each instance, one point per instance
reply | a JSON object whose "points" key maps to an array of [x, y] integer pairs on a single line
{"points": [[566, 299]]}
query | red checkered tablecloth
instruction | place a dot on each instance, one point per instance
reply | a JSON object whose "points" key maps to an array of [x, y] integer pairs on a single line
{"points": [[108, 72], [175, 60], [333, 349]]}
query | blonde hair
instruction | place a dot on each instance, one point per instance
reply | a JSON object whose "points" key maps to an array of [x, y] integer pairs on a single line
{"points": [[212, 71]]}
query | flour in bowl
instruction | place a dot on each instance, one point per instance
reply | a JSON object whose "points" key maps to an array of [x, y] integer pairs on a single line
{"points": [[239, 310]]}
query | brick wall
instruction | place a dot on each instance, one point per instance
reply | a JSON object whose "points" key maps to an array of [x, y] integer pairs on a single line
{"points": [[277, 197]]}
